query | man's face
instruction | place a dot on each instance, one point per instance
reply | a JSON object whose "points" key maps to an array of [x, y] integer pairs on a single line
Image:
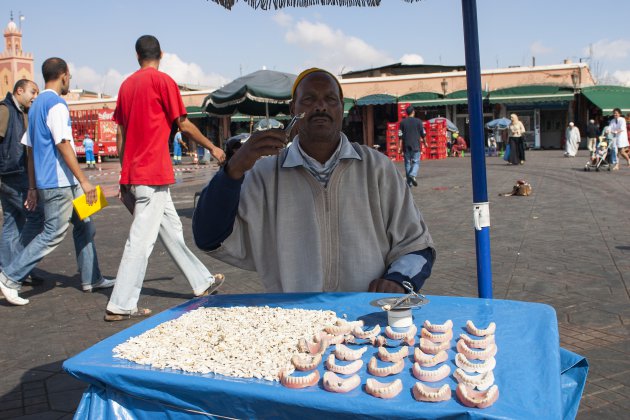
{"points": [[65, 83], [25, 96], [319, 98]]}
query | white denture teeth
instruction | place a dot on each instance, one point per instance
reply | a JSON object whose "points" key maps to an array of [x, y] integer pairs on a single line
{"points": [[394, 335], [305, 362], [348, 369], [425, 393], [394, 369], [430, 347], [472, 329], [436, 338], [345, 353], [471, 354], [470, 367], [386, 356], [381, 341], [482, 381], [312, 347], [428, 360], [480, 399], [351, 339], [334, 383], [358, 332], [339, 329], [477, 344], [297, 382], [438, 328], [430, 375], [383, 389]]}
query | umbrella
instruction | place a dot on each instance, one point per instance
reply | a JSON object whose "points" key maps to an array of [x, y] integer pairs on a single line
{"points": [[481, 210], [263, 92], [499, 123], [450, 125]]}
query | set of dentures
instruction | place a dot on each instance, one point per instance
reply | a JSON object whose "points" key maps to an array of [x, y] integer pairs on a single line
{"points": [[475, 361]]}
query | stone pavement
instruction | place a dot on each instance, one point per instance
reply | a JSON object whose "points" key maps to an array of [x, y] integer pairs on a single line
{"points": [[568, 245]]}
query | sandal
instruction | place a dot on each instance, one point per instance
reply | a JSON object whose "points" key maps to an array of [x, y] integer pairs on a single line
{"points": [[140, 313], [213, 289]]}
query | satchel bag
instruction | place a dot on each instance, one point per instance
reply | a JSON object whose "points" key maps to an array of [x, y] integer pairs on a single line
{"points": [[506, 155]]}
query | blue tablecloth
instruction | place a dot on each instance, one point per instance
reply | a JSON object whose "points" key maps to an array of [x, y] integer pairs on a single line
{"points": [[536, 378]]}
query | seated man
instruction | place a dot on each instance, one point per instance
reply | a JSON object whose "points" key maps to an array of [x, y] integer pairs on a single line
{"points": [[324, 214]]}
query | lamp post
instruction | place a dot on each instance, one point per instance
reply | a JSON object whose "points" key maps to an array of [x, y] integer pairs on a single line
{"points": [[444, 90], [575, 79]]}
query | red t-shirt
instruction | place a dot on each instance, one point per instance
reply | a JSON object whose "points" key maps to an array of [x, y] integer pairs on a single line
{"points": [[148, 104]]}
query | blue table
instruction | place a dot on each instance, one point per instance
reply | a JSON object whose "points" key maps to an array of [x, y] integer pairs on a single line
{"points": [[536, 378]]}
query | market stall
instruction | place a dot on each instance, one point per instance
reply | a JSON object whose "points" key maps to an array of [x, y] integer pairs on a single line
{"points": [[536, 378]]}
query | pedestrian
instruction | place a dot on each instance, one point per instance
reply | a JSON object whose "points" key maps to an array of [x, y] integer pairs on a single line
{"points": [[620, 131], [516, 130], [572, 139], [413, 133], [58, 179], [323, 214], [178, 144], [148, 105], [592, 131], [20, 225], [88, 146]]}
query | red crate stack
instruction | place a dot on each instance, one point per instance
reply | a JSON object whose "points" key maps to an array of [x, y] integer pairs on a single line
{"points": [[402, 110], [436, 136], [392, 141]]}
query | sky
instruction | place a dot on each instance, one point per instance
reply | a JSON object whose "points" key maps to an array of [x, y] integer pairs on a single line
{"points": [[204, 44]]}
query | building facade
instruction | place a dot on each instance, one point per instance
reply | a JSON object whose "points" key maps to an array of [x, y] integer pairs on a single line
{"points": [[15, 64]]}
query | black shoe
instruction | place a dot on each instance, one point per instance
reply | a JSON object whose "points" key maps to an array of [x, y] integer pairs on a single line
{"points": [[413, 181]]}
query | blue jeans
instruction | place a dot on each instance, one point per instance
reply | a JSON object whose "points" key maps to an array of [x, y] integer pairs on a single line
{"points": [[58, 213], [613, 155], [412, 163], [20, 225]]}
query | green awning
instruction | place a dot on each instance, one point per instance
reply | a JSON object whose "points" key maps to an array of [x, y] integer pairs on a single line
{"points": [[460, 97], [532, 94], [195, 112], [246, 118], [348, 103], [608, 98], [421, 99], [376, 99]]}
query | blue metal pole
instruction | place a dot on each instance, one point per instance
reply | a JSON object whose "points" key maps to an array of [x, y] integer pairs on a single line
{"points": [[477, 150]]}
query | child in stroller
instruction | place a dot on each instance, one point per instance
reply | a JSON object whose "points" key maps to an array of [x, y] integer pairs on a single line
{"points": [[598, 158]]}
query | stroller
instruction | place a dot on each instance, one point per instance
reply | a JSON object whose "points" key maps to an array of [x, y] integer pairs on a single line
{"points": [[599, 158]]}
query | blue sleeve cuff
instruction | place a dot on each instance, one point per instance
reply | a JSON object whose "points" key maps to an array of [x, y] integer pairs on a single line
{"points": [[414, 267]]}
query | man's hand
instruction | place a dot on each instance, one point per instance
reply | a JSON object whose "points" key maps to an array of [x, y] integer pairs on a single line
{"points": [[90, 192], [31, 200], [218, 154], [261, 143], [385, 286]]}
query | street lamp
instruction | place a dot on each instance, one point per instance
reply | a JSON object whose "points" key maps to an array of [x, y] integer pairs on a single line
{"points": [[444, 90], [575, 79]]}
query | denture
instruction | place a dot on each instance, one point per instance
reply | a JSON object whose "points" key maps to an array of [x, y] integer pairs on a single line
{"points": [[467, 366], [480, 399], [385, 371], [358, 332], [381, 341], [430, 347], [312, 347], [334, 383], [297, 382], [345, 353], [386, 356], [351, 339], [470, 326], [436, 338], [428, 360], [342, 329], [482, 381], [430, 375], [330, 338], [305, 362], [478, 344], [383, 390], [411, 332], [425, 393], [438, 328], [348, 369], [471, 354]]}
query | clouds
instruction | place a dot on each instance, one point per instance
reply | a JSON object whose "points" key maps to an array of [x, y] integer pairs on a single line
{"points": [[538, 48], [622, 77], [410, 59], [609, 50], [85, 77]]}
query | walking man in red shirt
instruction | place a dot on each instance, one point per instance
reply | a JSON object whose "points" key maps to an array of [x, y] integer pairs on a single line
{"points": [[148, 104]]}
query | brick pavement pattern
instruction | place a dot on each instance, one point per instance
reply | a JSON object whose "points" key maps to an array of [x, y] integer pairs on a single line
{"points": [[567, 245]]}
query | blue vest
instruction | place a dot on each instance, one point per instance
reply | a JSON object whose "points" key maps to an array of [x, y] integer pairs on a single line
{"points": [[12, 154]]}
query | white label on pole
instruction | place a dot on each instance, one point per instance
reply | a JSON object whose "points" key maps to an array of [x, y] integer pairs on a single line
{"points": [[481, 215]]}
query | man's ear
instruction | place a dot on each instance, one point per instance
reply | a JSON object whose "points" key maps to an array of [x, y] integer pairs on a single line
{"points": [[292, 107]]}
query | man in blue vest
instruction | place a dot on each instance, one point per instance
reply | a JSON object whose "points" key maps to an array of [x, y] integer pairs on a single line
{"points": [[19, 224]]}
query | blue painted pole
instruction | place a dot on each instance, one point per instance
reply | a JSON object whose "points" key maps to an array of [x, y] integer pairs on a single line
{"points": [[477, 146]]}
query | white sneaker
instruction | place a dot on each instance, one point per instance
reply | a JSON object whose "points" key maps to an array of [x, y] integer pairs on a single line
{"points": [[103, 284], [11, 295]]}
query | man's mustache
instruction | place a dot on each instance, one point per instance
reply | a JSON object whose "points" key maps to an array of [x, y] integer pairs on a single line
{"points": [[320, 115]]}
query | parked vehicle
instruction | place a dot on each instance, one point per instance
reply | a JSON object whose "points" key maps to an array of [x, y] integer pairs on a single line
{"points": [[100, 126]]}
